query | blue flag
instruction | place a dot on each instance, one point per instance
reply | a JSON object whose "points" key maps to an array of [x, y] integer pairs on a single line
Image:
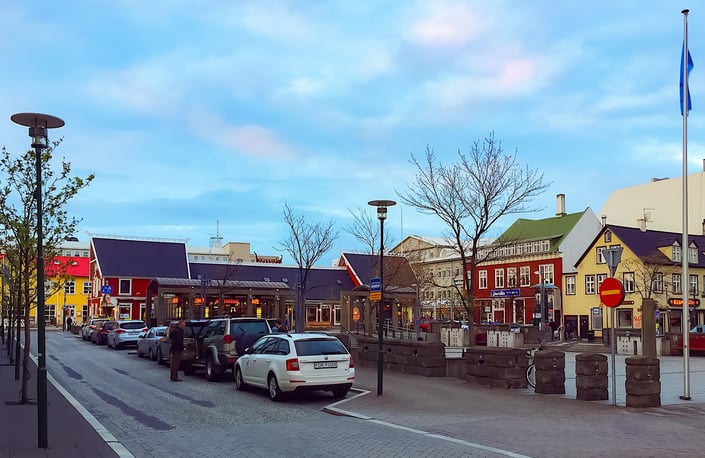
{"points": [[690, 67]]}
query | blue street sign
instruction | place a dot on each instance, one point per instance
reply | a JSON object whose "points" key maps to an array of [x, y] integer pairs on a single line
{"points": [[106, 289], [514, 292], [375, 284]]}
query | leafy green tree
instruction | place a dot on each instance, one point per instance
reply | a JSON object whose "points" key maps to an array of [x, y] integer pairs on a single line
{"points": [[18, 218]]}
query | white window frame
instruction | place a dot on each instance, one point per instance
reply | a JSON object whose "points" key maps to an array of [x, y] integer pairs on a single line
{"points": [[482, 279], [69, 287], [657, 283], [599, 255], [629, 282], [525, 276], [570, 285], [692, 254], [511, 277], [499, 278], [675, 252], [590, 284], [122, 291]]}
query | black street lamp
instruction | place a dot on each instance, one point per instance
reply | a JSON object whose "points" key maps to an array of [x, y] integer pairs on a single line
{"points": [[38, 125], [382, 215]]}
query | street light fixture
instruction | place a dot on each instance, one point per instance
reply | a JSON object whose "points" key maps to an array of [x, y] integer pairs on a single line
{"points": [[38, 125], [381, 215]]}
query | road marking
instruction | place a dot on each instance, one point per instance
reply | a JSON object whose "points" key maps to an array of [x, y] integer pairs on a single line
{"points": [[332, 409]]}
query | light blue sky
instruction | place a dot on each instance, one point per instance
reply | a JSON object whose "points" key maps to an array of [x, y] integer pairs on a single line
{"points": [[192, 112]]}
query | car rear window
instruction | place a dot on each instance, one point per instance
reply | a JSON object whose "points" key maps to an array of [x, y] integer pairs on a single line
{"points": [[133, 325], [314, 347], [195, 329], [238, 328]]}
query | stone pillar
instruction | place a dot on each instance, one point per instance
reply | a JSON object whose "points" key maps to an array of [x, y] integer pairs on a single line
{"points": [[591, 377], [648, 327], [643, 383], [550, 372]]}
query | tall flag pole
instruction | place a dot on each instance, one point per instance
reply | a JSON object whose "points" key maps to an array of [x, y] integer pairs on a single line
{"points": [[686, 65]]}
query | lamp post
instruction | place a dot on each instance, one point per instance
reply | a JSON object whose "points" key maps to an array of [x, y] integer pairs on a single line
{"points": [[381, 215], [38, 125]]}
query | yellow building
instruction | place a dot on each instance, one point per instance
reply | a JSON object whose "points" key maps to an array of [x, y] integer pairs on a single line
{"points": [[650, 268], [67, 285]]}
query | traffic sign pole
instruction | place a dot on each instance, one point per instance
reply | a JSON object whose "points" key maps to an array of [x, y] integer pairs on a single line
{"points": [[612, 294]]}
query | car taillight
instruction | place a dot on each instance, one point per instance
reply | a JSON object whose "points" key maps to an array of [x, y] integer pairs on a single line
{"points": [[352, 363], [145, 329], [228, 339], [292, 364], [120, 331], [103, 331]]}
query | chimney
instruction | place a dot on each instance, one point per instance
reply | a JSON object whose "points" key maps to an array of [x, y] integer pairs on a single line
{"points": [[703, 225], [604, 220], [641, 222], [560, 205]]}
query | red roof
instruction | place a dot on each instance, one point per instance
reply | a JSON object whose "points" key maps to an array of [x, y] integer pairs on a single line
{"points": [[77, 266]]}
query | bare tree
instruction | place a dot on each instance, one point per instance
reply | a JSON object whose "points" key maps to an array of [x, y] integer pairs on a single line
{"points": [[647, 271], [18, 217], [365, 228], [470, 196], [306, 243]]}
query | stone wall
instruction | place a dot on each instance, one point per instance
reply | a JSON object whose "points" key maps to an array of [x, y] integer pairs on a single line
{"points": [[409, 357], [497, 367]]}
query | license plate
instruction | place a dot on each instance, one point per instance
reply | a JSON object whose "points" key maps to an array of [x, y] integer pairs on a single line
{"points": [[325, 365]]}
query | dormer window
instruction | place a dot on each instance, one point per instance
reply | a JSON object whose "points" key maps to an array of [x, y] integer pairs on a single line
{"points": [[692, 254], [608, 236], [675, 253]]}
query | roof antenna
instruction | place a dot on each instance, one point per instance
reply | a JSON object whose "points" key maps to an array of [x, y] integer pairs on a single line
{"points": [[216, 241]]}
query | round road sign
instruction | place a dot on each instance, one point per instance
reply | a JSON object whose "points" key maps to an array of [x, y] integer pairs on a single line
{"points": [[611, 292]]}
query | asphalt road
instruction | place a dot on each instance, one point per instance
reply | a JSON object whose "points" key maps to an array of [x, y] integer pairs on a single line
{"points": [[153, 417]]}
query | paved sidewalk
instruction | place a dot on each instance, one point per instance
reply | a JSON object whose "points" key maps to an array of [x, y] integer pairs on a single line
{"points": [[70, 433]]}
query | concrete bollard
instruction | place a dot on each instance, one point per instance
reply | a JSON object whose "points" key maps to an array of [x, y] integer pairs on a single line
{"points": [[643, 383], [550, 372], [591, 377]]}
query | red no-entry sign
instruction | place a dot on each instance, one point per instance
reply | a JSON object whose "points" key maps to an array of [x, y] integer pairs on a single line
{"points": [[611, 292]]}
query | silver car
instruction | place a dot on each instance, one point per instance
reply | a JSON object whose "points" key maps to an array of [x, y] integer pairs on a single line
{"points": [[147, 342], [125, 332]]}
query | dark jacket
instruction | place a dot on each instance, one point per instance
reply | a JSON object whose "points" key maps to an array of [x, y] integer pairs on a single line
{"points": [[177, 339]]}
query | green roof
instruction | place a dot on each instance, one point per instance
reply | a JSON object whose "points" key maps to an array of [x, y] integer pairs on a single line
{"points": [[554, 229]]}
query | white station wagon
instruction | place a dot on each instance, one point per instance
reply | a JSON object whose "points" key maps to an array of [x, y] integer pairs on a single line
{"points": [[284, 363]]}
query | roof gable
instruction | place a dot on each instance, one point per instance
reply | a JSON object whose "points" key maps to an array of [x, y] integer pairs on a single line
{"points": [[140, 258], [555, 228]]}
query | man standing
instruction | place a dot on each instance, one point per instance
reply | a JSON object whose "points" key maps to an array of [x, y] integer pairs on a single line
{"points": [[177, 349], [69, 321]]}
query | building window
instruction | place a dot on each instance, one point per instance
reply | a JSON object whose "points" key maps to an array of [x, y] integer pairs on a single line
{"points": [[546, 270], [482, 279], [524, 276], [693, 284], [600, 279], [70, 287], [658, 282], [499, 278], [692, 254], [675, 253], [570, 285], [625, 318], [676, 281], [608, 236], [589, 284], [599, 254], [629, 284], [86, 288], [125, 286], [511, 277]]}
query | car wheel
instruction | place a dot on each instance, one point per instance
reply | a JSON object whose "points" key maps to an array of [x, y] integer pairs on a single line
{"points": [[340, 392], [160, 360], [275, 393], [212, 372], [239, 382], [151, 355]]}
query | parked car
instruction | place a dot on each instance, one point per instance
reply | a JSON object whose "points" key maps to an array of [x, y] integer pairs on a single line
{"points": [[125, 333], [100, 333], [425, 324], [89, 327], [284, 363], [147, 341], [224, 341], [193, 335]]}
